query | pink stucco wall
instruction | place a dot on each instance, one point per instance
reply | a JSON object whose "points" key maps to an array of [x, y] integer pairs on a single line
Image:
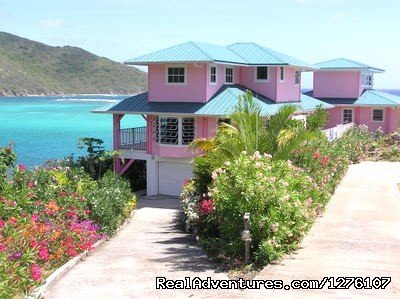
{"points": [[193, 91], [287, 91], [337, 84], [267, 89], [363, 116]]}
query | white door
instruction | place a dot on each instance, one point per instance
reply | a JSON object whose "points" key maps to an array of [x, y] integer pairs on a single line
{"points": [[172, 176]]}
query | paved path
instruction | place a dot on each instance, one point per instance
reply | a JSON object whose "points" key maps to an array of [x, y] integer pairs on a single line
{"points": [[359, 235]]}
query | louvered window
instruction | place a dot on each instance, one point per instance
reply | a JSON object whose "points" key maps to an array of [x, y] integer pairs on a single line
{"points": [[173, 130], [187, 130], [169, 130]]}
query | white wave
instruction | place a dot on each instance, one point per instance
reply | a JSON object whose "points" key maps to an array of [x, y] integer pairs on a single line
{"points": [[87, 100]]}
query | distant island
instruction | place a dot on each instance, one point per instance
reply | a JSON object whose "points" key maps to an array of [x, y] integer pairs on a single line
{"points": [[32, 68]]}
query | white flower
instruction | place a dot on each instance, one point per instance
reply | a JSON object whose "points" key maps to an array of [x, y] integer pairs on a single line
{"points": [[227, 163]]}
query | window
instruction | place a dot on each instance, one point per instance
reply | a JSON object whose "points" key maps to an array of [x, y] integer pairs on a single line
{"points": [[187, 130], [229, 75], [173, 130], [347, 116], [367, 79], [213, 74], [282, 74], [297, 77], [176, 75], [262, 73], [377, 115], [169, 130]]}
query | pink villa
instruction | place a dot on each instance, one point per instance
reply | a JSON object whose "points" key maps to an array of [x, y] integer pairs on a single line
{"points": [[193, 86]]}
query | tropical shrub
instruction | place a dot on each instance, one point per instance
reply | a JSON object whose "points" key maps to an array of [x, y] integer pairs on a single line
{"points": [[110, 202], [49, 215]]}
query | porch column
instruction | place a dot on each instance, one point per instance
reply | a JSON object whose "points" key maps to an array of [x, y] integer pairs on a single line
{"points": [[116, 140], [149, 134], [152, 176]]}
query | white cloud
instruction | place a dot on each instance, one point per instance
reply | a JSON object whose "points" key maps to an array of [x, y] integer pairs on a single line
{"points": [[338, 16], [51, 23]]}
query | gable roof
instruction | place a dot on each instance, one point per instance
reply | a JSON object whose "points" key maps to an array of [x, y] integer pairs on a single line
{"points": [[369, 97], [346, 64], [240, 53], [222, 104], [259, 55]]}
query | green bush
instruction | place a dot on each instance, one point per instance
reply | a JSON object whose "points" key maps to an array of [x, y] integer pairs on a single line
{"points": [[110, 202]]}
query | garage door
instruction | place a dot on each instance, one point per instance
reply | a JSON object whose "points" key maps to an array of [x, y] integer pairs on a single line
{"points": [[172, 176]]}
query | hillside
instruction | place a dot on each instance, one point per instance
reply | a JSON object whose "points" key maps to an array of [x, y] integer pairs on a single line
{"points": [[32, 68]]}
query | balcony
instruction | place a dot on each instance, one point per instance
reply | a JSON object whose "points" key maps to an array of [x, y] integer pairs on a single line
{"points": [[133, 138]]}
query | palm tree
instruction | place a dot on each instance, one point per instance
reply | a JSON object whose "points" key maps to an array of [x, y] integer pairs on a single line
{"points": [[249, 131]]}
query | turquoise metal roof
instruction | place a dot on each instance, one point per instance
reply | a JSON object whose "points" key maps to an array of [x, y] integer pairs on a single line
{"points": [[222, 104], [190, 52], [343, 63], [225, 101], [369, 97], [377, 98], [258, 55], [240, 53]]}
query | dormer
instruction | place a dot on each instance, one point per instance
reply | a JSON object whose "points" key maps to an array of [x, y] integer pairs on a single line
{"points": [[343, 78]]}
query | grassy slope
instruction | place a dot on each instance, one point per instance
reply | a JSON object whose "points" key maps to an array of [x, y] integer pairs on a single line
{"points": [[29, 67]]}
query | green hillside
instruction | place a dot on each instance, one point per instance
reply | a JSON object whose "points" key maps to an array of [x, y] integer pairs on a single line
{"points": [[31, 68]]}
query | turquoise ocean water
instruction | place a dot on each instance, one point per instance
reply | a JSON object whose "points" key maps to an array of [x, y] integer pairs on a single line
{"points": [[43, 128]]}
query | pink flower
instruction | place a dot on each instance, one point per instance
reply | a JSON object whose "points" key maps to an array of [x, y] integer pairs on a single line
{"points": [[2, 248], [35, 217], [43, 253], [206, 206], [21, 167], [87, 212], [316, 155], [31, 184], [71, 251], [324, 160], [36, 272], [2, 223]]}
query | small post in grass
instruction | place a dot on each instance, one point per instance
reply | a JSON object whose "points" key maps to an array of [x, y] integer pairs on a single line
{"points": [[246, 237]]}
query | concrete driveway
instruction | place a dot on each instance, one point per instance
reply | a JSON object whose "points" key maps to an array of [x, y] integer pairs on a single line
{"points": [[358, 235]]}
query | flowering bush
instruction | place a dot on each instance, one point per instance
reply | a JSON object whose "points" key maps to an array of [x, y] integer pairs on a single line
{"points": [[281, 198], [48, 216]]}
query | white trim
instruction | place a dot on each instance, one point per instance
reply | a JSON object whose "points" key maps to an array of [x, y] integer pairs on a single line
{"points": [[209, 74], [383, 115], [185, 74], [352, 115], [233, 74], [262, 80], [281, 68]]}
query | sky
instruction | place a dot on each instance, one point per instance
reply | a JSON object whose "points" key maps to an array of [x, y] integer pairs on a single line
{"points": [[311, 30]]}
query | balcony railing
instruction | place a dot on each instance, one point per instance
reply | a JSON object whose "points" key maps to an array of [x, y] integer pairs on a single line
{"points": [[133, 138]]}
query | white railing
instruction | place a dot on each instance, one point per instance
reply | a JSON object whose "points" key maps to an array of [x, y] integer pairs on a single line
{"points": [[337, 132]]}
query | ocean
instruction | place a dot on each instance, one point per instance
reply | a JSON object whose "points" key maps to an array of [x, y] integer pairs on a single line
{"points": [[48, 128]]}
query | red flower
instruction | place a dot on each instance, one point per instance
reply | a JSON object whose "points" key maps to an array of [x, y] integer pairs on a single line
{"points": [[324, 160], [87, 212], [36, 272], [2, 223], [71, 251], [206, 206], [21, 167], [12, 221], [316, 154], [31, 184]]}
